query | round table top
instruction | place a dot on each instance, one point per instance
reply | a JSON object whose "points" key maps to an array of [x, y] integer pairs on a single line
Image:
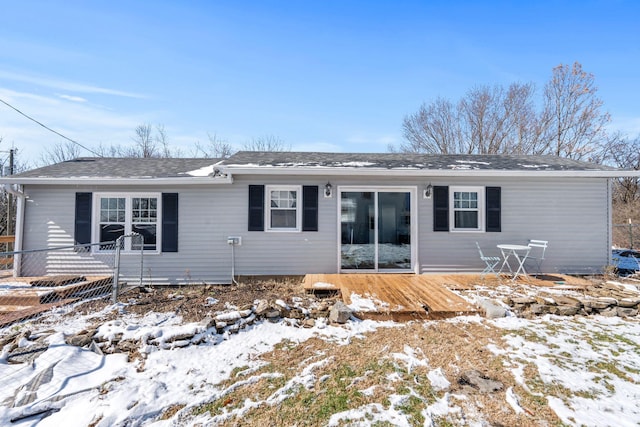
{"points": [[514, 247]]}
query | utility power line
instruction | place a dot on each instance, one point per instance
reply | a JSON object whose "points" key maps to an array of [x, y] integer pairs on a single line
{"points": [[48, 128]]}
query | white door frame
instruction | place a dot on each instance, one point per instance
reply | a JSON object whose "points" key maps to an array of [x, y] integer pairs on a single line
{"points": [[413, 210]]}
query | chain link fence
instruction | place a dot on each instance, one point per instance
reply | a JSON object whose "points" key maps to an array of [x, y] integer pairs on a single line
{"points": [[35, 281]]}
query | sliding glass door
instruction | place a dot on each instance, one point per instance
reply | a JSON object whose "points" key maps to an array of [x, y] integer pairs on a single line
{"points": [[375, 230]]}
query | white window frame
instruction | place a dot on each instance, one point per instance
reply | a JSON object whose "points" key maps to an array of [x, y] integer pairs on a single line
{"points": [[267, 210], [128, 225], [480, 209]]}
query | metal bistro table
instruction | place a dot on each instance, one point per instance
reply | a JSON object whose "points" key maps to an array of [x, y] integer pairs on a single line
{"points": [[520, 253]]}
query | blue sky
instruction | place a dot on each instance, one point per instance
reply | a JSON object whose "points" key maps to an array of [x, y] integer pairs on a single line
{"points": [[323, 75]]}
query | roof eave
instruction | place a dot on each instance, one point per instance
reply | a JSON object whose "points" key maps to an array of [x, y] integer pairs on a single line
{"points": [[370, 171], [118, 181]]}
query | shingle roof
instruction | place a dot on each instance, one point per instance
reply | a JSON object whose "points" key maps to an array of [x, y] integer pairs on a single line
{"points": [[408, 161], [148, 170], [110, 167]]}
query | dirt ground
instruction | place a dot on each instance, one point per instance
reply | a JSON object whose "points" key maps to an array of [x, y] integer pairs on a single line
{"points": [[194, 303]]}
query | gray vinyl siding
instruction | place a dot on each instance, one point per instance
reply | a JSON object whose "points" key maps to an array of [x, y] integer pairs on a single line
{"points": [[573, 214]]}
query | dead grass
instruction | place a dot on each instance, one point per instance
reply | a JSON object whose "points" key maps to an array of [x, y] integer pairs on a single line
{"points": [[342, 372]]}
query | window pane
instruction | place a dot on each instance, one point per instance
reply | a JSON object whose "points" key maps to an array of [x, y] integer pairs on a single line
{"points": [[144, 210], [110, 232], [282, 218], [466, 219], [148, 232]]}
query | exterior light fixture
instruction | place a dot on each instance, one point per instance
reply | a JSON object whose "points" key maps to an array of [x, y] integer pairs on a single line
{"points": [[428, 191], [328, 190]]}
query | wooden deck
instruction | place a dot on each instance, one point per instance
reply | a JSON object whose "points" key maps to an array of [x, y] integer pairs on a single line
{"points": [[24, 297], [398, 297], [424, 296]]}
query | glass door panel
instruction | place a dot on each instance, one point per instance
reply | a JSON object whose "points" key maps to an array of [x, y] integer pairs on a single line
{"points": [[394, 230], [375, 230], [357, 235]]}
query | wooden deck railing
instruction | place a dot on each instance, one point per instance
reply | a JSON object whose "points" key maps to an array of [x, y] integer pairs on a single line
{"points": [[6, 245]]}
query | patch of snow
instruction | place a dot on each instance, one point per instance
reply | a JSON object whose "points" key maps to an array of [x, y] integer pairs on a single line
{"points": [[512, 400], [438, 380]]}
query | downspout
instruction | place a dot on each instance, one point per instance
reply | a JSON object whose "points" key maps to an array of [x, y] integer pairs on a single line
{"points": [[17, 191]]}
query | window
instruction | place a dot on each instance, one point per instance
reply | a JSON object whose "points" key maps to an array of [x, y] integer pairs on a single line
{"points": [[466, 209], [283, 212], [121, 215]]}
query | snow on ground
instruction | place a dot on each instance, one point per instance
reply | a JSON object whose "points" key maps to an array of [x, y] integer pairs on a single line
{"points": [[596, 359], [589, 368]]}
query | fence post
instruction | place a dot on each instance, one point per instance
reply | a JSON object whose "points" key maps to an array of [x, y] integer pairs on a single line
{"points": [[116, 271], [630, 234]]}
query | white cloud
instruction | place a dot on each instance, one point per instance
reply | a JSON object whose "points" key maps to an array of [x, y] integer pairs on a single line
{"points": [[67, 86], [72, 98], [86, 123]]}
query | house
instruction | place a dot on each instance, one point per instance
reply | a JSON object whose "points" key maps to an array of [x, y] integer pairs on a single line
{"points": [[291, 213]]}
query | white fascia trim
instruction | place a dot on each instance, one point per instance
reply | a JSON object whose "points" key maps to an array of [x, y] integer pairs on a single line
{"points": [[120, 181], [408, 172]]}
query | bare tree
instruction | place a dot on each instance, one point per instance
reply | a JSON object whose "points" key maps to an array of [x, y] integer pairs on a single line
{"points": [[574, 122], [434, 128], [626, 154], [495, 120], [488, 120], [145, 145], [266, 143], [217, 148], [60, 152]]}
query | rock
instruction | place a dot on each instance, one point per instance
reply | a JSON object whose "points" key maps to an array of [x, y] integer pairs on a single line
{"points": [[523, 300], [566, 310], [539, 309], [272, 315], [296, 313], [220, 325], [79, 340], [564, 300], [598, 303], [626, 312], [480, 382], [339, 313], [262, 307], [127, 346], [308, 323], [609, 312], [180, 337], [318, 314], [208, 322], [629, 302], [229, 316], [491, 309]]}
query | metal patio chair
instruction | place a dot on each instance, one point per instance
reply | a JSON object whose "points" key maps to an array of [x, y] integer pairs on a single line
{"points": [[536, 255], [490, 261]]}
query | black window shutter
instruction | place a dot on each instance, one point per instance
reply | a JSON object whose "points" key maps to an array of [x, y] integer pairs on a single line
{"points": [[493, 201], [256, 208], [440, 208], [310, 208], [169, 222], [82, 231]]}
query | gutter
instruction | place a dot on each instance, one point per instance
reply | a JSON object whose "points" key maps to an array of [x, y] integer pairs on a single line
{"points": [[430, 173], [227, 179]]}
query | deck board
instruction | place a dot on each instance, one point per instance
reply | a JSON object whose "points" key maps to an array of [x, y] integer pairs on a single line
{"points": [[24, 301], [396, 296]]}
